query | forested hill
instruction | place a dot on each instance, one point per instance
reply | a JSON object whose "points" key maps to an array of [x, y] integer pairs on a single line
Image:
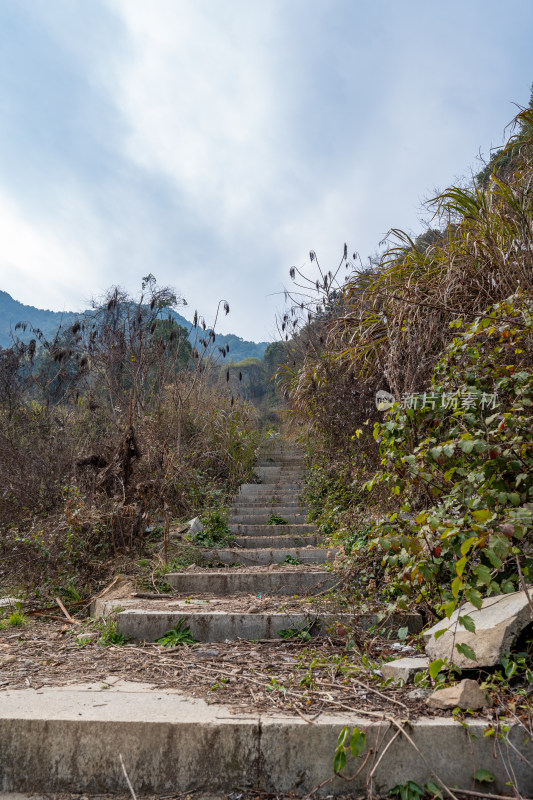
{"points": [[11, 312]]}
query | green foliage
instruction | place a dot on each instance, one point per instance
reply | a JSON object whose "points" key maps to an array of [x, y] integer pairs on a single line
{"points": [[303, 634], [412, 791], [15, 620], [328, 493], [470, 465], [109, 634], [353, 743], [484, 776], [291, 560], [216, 530], [275, 519], [180, 634]]}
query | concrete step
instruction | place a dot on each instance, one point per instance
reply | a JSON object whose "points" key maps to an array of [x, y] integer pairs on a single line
{"points": [[278, 541], [270, 474], [217, 626], [259, 489], [250, 529], [285, 469], [269, 495], [263, 504], [266, 510], [281, 462], [276, 582], [68, 740], [262, 518], [261, 557]]}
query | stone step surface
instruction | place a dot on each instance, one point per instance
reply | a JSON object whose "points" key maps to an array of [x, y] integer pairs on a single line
{"points": [[251, 529], [278, 541], [265, 505], [243, 518], [69, 741], [263, 556], [304, 581], [216, 626], [268, 498], [259, 489]]}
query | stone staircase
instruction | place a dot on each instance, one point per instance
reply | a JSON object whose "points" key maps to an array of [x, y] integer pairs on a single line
{"points": [[269, 567], [281, 472], [271, 577]]}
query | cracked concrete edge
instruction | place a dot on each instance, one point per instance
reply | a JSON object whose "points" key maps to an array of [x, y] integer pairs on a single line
{"points": [[70, 740]]}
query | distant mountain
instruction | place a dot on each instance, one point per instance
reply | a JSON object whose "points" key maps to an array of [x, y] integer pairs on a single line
{"points": [[11, 312]]}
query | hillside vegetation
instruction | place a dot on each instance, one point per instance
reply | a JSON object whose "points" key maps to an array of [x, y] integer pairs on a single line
{"points": [[431, 493], [110, 430], [48, 322]]}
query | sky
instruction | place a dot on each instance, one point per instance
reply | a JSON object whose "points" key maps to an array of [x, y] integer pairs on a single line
{"points": [[214, 143]]}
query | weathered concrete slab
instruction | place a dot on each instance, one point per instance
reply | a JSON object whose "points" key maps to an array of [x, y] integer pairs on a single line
{"points": [[279, 541], [261, 506], [213, 626], [70, 741], [149, 624], [465, 694], [263, 556], [498, 623], [275, 582], [404, 669], [270, 489], [249, 529], [261, 518]]}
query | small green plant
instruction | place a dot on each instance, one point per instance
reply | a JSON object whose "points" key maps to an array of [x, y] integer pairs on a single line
{"points": [[15, 620], [216, 530], [179, 634], [275, 519], [303, 634], [412, 791], [291, 560], [109, 634], [484, 776], [353, 743], [222, 683]]}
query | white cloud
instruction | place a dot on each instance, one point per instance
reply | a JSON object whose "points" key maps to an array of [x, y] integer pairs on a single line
{"points": [[220, 141], [39, 264], [199, 97]]}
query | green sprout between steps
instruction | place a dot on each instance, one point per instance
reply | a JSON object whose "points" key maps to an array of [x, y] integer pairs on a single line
{"points": [[291, 560], [302, 634], [275, 519], [179, 634], [412, 791]]}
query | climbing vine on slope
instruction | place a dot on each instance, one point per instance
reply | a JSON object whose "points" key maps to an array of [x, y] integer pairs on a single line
{"points": [[460, 460]]}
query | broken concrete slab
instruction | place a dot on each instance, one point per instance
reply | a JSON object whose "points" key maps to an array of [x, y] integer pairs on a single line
{"points": [[498, 623], [465, 694], [404, 669], [195, 526]]}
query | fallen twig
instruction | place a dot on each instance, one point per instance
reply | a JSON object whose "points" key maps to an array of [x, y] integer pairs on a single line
{"points": [[472, 793], [130, 787], [65, 612]]}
